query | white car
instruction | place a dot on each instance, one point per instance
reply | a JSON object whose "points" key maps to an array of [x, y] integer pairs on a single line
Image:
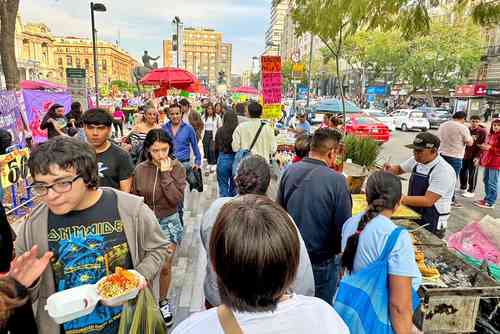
{"points": [[409, 119], [381, 117]]}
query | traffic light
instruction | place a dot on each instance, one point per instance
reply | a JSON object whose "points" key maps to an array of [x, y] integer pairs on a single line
{"points": [[174, 42]]}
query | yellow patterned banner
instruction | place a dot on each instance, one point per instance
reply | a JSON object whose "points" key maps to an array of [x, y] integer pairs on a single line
{"points": [[14, 166], [272, 111]]}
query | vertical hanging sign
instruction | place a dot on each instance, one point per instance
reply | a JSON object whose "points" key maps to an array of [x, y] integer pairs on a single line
{"points": [[272, 86]]}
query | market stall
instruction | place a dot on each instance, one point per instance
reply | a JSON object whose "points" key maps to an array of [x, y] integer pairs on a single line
{"points": [[451, 290]]}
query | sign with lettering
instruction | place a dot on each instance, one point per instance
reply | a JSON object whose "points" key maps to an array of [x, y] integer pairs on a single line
{"points": [[272, 84], [14, 167], [9, 112], [271, 111]]}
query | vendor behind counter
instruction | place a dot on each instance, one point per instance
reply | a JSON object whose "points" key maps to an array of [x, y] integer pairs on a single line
{"points": [[432, 183]]}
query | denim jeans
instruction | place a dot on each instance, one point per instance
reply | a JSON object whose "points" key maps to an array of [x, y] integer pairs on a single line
{"points": [[225, 177], [325, 278], [456, 164], [491, 185]]}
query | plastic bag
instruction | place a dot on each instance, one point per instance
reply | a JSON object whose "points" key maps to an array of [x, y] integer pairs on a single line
{"points": [[194, 179], [362, 299], [142, 316]]}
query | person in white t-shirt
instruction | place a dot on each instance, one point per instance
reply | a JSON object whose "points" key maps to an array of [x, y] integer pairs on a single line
{"points": [[212, 123], [432, 182], [254, 249]]}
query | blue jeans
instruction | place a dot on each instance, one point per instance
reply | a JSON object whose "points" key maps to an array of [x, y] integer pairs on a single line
{"points": [[325, 278], [456, 164], [225, 177], [491, 185]]}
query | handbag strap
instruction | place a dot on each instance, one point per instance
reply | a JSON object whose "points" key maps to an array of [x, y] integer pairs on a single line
{"points": [[228, 321], [389, 245], [256, 136]]}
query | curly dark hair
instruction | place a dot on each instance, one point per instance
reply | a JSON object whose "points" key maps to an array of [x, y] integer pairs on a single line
{"points": [[254, 176], [66, 153]]}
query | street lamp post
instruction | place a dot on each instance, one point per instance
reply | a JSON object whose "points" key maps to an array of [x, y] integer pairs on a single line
{"points": [[177, 21], [98, 7]]}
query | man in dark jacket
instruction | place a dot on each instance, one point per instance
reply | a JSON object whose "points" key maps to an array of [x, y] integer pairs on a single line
{"points": [[318, 200]]}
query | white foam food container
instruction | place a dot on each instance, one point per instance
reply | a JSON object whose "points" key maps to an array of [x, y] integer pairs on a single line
{"points": [[119, 300], [77, 302]]}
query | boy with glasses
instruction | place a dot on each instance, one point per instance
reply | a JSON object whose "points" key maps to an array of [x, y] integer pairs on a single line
{"points": [[90, 230]]}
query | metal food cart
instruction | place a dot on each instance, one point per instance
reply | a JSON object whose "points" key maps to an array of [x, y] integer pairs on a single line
{"points": [[451, 305]]}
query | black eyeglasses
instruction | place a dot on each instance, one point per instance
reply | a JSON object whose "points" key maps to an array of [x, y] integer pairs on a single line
{"points": [[59, 187]]}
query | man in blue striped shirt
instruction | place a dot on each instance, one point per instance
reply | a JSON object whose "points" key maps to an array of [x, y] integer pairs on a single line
{"points": [[184, 137]]}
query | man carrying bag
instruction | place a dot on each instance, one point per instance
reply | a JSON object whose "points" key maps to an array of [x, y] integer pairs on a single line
{"points": [[253, 136]]}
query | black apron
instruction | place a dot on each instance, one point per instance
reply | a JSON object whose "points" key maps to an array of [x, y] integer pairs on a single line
{"points": [[419, 183]]}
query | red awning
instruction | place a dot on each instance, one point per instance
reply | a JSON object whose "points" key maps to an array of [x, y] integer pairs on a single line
{"points": [[169, 77], [246, 90], [40, 85]]}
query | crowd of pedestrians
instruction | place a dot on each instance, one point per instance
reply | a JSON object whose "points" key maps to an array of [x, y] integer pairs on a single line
{"points": [[273, 265]]}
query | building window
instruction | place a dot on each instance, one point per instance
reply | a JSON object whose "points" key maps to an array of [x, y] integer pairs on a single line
{"points": [[26, 49], [78, 65], [87, 64], [60, 61], [104, 66], [69, 61]]}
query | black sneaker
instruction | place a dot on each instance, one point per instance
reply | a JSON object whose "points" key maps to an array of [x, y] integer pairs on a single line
{"points": [[166, 312]]}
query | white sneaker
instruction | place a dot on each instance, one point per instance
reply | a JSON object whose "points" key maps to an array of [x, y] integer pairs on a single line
{"points": [[467, 194]]}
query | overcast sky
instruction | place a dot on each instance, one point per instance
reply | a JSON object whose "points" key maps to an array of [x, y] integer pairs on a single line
{"points": [[144, 24]]}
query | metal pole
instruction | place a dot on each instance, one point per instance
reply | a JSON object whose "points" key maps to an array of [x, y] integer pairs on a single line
{"points": [[95, 55], [310, 71], [178, 41]]}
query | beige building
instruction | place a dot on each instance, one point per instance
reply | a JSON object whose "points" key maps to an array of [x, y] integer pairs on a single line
{"points": [[301, 45], [114, 63], [205, 55], [42, 56], [279, 11], [34, 52], [246, 78]]}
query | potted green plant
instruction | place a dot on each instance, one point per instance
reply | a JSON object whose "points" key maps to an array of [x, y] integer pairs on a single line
{"points": [[361, 154]]}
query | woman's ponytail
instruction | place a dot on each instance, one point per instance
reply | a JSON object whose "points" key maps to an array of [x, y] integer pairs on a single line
{"points": [[383, 191]]}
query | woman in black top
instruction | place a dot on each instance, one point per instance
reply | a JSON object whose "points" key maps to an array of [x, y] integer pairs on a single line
{"points": [[74, 118], [54, 121], [223, 141]]}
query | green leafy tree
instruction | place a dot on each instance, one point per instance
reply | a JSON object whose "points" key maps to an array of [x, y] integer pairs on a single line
{"points": [[443, 58], [334, 21]]}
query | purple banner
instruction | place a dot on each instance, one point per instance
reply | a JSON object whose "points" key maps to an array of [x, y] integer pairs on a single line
{"points": [[10, 115], [37, 104]]}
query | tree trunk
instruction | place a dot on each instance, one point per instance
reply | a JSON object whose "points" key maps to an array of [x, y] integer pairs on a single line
{"points": [[8, 15], [341, 89], [430, 97]]}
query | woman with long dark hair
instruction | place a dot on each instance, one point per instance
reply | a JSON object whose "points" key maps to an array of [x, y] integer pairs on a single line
{"points": [[54, 121], [219, 109], [212, 122], [223, 141], [161, 180], [363, 240]]}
